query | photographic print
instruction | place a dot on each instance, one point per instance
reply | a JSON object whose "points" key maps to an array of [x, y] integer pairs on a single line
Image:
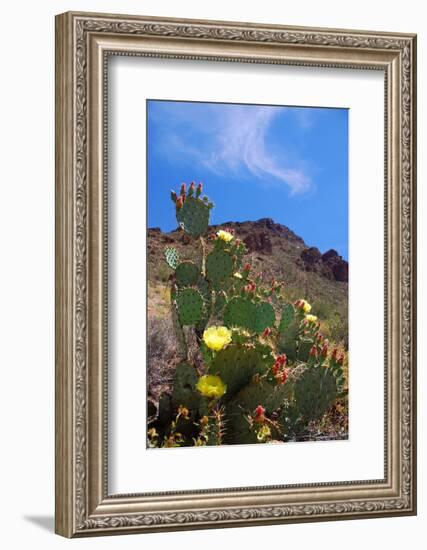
{"points": [[247, 265]]}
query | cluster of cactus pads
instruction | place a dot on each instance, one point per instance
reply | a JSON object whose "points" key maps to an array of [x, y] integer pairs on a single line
{"points": [[265, 370]]}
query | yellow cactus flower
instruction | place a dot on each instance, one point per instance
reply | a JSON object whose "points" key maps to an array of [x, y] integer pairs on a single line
{"points": [[311, 318], [217, 337], [263, 433], [211, 386], [238, 275], [304, 305], [224, 235]]}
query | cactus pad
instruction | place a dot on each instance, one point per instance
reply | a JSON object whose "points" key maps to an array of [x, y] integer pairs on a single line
{"points": [[288, 315], [261, 392], [220, 302], [315, 390], [193, 217], [190, 306], [265, 316], [184, 387], [205, 291], [304, 347], [172, 257], [236, 365], [288, 340], [240, 312], [187, 274], [219, 266]]}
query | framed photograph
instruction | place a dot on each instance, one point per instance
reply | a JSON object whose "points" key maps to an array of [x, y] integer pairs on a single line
{"points": [[235, 274]]}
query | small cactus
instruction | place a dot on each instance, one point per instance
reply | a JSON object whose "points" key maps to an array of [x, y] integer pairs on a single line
{"points": [[172, 257]]}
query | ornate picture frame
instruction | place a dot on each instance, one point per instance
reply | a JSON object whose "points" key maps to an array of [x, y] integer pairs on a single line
{"points": [[84, 42]]}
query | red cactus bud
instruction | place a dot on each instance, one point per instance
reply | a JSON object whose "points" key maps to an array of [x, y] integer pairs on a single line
{"points": [[183, 189], [191, 189], [179, 202], [259, 413], [334, 354], [247, 267], [313, 351], [284, 376], [324, 351], [275, 368], [199, 190], [340, 359], [266, 332], [281, 359]]}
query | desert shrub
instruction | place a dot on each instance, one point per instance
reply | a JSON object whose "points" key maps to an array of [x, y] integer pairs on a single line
{"points": [[161, 354]]}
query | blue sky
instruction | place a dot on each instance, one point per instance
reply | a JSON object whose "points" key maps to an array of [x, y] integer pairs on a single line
{"points": [[255, 161]]}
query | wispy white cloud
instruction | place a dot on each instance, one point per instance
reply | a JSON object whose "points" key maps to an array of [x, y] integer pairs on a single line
{"points": [[235, 140], [242, 144]]}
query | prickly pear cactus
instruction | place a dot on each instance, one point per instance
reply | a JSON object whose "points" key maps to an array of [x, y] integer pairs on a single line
{"points": [[236, 365], [172, 257], [220, 302], [314, 391], [187, 274], [190, 306], [257, 378], [184, 387], [219, 266], [265, 317], [193, 216], [304, 347], [240, 312], [288, 316]]}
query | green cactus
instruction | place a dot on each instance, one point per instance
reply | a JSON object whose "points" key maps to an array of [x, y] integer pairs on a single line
{"points": [[288, 316], [236, 365], [187, 274], [184, 387], [219, 266], [206, 293], [179, 334], [288, 340], [220, 302], [216, 428], [172, 257], [304, 347], [262, 392], [265, 316], [190, 306], [240, 312], [193, 216], [315, 389]]}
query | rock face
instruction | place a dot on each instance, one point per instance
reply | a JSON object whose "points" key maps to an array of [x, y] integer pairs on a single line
{"points": [[330, 264], [258, 242]]}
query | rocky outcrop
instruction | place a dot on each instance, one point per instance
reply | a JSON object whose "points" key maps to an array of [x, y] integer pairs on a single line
{"points": [[258, 242], [330, 264]]}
